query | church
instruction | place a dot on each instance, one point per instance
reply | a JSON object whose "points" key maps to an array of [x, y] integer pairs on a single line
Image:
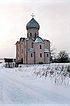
{"points": [[33, 49]]}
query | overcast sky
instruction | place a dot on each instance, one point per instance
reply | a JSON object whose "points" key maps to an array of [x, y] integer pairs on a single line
{"points": [[52, 15]]}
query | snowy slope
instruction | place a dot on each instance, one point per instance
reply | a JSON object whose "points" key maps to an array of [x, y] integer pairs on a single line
{"points": [[30, 85]]}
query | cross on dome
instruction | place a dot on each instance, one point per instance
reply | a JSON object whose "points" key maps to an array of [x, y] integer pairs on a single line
{"points": [[32, 15], [32, 23]]}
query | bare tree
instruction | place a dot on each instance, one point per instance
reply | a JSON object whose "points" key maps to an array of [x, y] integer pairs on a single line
{"points": [[63, 57]]}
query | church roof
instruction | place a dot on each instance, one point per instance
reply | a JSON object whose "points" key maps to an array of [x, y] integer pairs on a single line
{"points": [[46, 50], [32, 24], [39, 40], [31, 50]]}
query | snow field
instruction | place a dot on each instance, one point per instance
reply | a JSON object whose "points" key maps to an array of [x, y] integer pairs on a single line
{"points": [[39, 85]]}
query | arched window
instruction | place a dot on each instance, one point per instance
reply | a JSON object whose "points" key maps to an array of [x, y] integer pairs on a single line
{"points": [[30, 34], [32, 44], [40, 47], [31, 55], [47, 55], [35, 34], [40, 54]]}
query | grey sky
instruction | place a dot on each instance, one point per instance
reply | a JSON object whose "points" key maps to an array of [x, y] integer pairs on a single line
{"points": [[32, 1], [52, 15]]}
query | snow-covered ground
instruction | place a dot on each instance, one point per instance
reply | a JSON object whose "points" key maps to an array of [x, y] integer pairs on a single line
{"points": [[35, 85]]}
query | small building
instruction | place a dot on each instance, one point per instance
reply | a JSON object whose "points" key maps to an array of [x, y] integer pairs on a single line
{"points": [[33, 49], [9, 63]]}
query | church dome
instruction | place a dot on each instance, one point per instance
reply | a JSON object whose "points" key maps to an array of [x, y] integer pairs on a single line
{"points": [[32, 24], [39, 40]]}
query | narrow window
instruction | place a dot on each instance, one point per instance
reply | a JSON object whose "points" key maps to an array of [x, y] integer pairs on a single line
{"points": [[47, 55], [21, 60], [30, 34], [35, 34], [32, 45], [40, 54], [40, 47], [31, 55]]}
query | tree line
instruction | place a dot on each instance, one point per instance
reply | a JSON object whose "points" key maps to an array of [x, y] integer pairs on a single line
{"points": [[62, 57]]}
